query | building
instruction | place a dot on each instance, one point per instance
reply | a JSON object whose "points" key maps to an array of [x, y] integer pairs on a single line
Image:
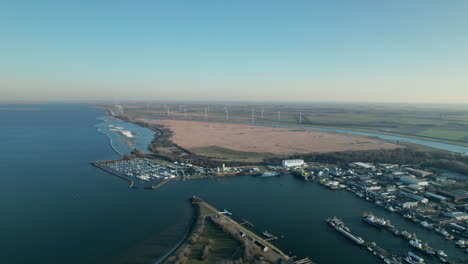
{"points": [[459, 216], [415, 197], [409, 204], [435, 197], [413, 180], [293, 163], [420, 173], [457, 195]]}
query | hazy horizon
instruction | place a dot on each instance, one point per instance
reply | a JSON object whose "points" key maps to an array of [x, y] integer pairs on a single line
{"points": [[263, 51]]}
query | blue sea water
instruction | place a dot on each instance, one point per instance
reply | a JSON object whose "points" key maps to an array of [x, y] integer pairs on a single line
{"points": [[57, 208]]}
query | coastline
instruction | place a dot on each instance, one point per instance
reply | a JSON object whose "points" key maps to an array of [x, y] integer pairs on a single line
{"points": [[188, 231]]}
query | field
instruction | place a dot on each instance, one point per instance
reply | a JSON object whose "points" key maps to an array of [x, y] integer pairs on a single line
{"points": [[229, 140], [432, 122]]}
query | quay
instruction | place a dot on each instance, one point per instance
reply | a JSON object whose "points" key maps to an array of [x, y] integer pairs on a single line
{"points": [[372, 247], [255, 247]]}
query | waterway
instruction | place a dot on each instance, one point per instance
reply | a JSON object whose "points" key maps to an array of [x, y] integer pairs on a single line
{"points": [[57, 208]]}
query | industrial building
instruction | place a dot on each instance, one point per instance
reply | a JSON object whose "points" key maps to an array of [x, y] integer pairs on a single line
{"points": [[415, 197], [435, 197], [413, 180], [293, 163], [457, 215]]}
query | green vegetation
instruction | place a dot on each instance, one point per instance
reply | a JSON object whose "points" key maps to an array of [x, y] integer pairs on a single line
{"points": [[206, 243], [445, 134], [231, 155]]}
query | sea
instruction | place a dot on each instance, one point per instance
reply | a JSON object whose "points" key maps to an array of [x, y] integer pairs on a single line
{"points": [[57, 208]]}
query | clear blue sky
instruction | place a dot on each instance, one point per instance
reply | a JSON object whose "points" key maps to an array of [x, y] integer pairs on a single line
{"points": [[395, 51]]}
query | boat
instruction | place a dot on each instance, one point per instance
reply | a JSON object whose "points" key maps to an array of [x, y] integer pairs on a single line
{"points": [[412, 258], [268, 235], [408, 216], [441, 253], [426, 225], [270, 174], [406, 235], [443, 260], [461, 243], [335, 221], [442, 232], [357, 240], [425, 248], [378, 222], [390, 208]]}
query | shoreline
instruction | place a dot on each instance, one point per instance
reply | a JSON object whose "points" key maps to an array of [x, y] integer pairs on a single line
{"points": [[184, 237]]}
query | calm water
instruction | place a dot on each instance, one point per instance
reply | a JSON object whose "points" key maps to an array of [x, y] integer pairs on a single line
{"points": [[56, 208]]}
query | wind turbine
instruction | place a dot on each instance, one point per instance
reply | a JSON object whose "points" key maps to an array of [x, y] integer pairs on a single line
{"points": [[253, 116], [227, 113]]}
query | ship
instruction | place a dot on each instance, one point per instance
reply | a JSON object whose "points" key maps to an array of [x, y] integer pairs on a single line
{"points": [[357, 240], [461, 243], [270, 174], [269, 235], [441, 253], [335, 221], [406, 235], [444, 233], [412, 258], [426, 225], [424, 248], [378, 222]]}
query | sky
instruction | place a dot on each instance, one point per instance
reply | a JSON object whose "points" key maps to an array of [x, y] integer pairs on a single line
{"points": [[253, 50]]}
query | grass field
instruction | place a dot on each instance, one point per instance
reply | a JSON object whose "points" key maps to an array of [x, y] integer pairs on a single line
{"points": [[445, 134], [229, 154]]}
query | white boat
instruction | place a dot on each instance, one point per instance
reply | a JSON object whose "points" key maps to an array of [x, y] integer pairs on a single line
{"points": [[412, 258]]}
